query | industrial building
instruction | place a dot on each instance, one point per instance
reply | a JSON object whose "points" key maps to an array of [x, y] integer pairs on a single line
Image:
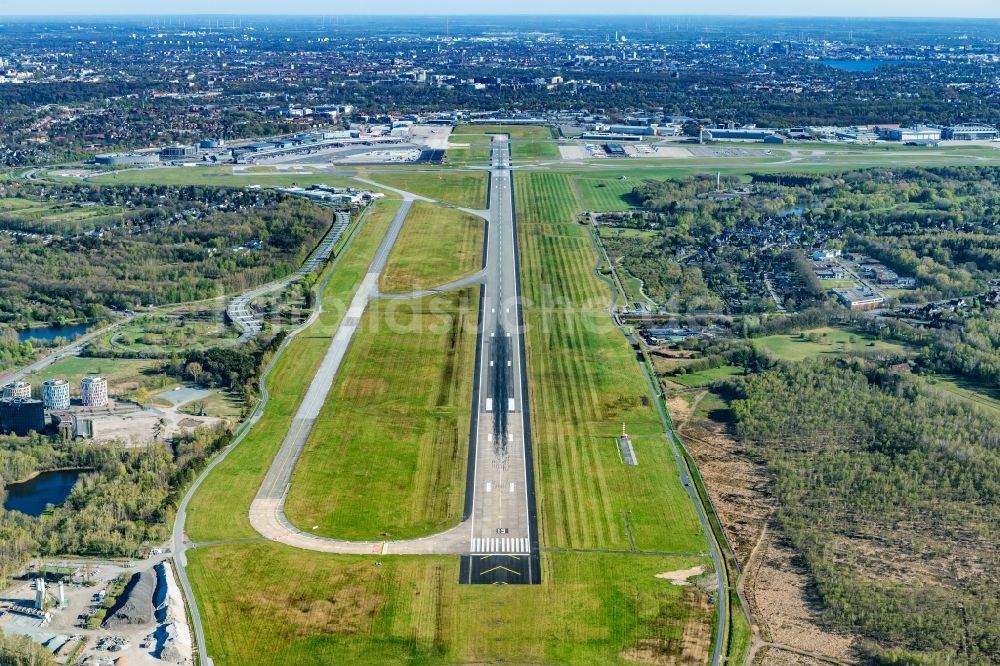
{"points": [[55, 394], [917, 133], [743, 134], [211, 144], [859, 299], [602, 137], [177, 152], [20, 416], [94, 391], [17, 390], [971, 133], [128, 159]]}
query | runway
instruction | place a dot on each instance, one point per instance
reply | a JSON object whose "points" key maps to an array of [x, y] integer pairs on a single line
{"points": [[503, 544], [497, 538]]}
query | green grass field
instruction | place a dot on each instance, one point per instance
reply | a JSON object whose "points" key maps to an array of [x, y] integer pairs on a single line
{"points": [[981, 395], [437, 245], [585, 383], [706, 377], [607, 194], [829, 342], [223, 176], [387, 456], [122, 374], [460, 188], [276, 605], [515, 131], [526, 151], [219, 510]]}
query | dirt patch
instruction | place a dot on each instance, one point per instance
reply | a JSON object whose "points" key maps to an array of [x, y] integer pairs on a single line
{"points": [[693, 647], [777, 586], [350, 609], [738, 484], [784, 608], [774, 656], [681, 576]]}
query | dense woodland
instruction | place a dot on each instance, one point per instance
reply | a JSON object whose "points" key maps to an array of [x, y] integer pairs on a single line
{"points": [[889, 492], [155, 246], [124, 502]]}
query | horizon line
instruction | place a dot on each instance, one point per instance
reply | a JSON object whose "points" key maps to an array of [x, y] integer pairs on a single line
{"points": [[197, 14]]}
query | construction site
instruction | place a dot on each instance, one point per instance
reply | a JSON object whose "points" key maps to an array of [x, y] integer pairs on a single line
{"points": [[99, 613]]}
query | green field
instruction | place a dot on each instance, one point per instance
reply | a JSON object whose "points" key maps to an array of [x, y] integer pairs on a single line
{"points": [[460, 188], [522, 151], [585, 383], [515, 131], [223, 176], [163, 333], [706, 377], [387, 455], [57, 217], [123, 374], [829, 341], [436, 246], [987, 397], [219, 510], [607, 194], [276, 605]]}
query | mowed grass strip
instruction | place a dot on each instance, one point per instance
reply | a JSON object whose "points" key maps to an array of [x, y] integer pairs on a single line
{"points": [[515, 131], [437, 245], [466, 189], [387, 455], [219, 510], [539, 149], [277, 605], [607, 194], [585, 384], [557, 267]]}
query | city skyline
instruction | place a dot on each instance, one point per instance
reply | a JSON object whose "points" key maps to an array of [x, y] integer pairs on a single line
{"points": [[984, 9]]}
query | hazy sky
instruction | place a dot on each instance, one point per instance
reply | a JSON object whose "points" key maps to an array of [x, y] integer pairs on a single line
{"points": [[955, 8]]}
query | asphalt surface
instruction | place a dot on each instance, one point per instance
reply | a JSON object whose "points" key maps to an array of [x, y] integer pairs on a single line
{"points": [[503, 544], [498, 534]]}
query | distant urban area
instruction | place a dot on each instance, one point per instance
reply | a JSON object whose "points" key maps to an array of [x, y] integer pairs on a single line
{"points": [[472, 339]]}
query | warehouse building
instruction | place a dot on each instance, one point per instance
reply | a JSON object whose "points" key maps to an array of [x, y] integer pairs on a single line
{"points": [[17, 390], [94, 391], [971, 133], [20, 416], [916, 133], [128, 159], [55, 394], [859, 299], [177, 152]]}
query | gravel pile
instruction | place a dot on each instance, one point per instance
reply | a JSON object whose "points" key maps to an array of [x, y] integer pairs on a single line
{"points": [[135, 605]]}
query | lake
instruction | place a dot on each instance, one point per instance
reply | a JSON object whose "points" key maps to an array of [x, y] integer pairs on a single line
{"points": [[859, 65], [32, 496], [69, 332]]}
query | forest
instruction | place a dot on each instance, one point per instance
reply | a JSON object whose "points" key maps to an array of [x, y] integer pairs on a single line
{"points": [[157, 245], [125, 501], [890, 493]]}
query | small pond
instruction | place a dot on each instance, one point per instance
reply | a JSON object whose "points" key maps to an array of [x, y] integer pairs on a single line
{"points": [[32, 496], [70, 331]]}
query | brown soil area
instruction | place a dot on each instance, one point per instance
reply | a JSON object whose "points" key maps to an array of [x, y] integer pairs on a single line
{"points": [[694, 644], [777, 587]]}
